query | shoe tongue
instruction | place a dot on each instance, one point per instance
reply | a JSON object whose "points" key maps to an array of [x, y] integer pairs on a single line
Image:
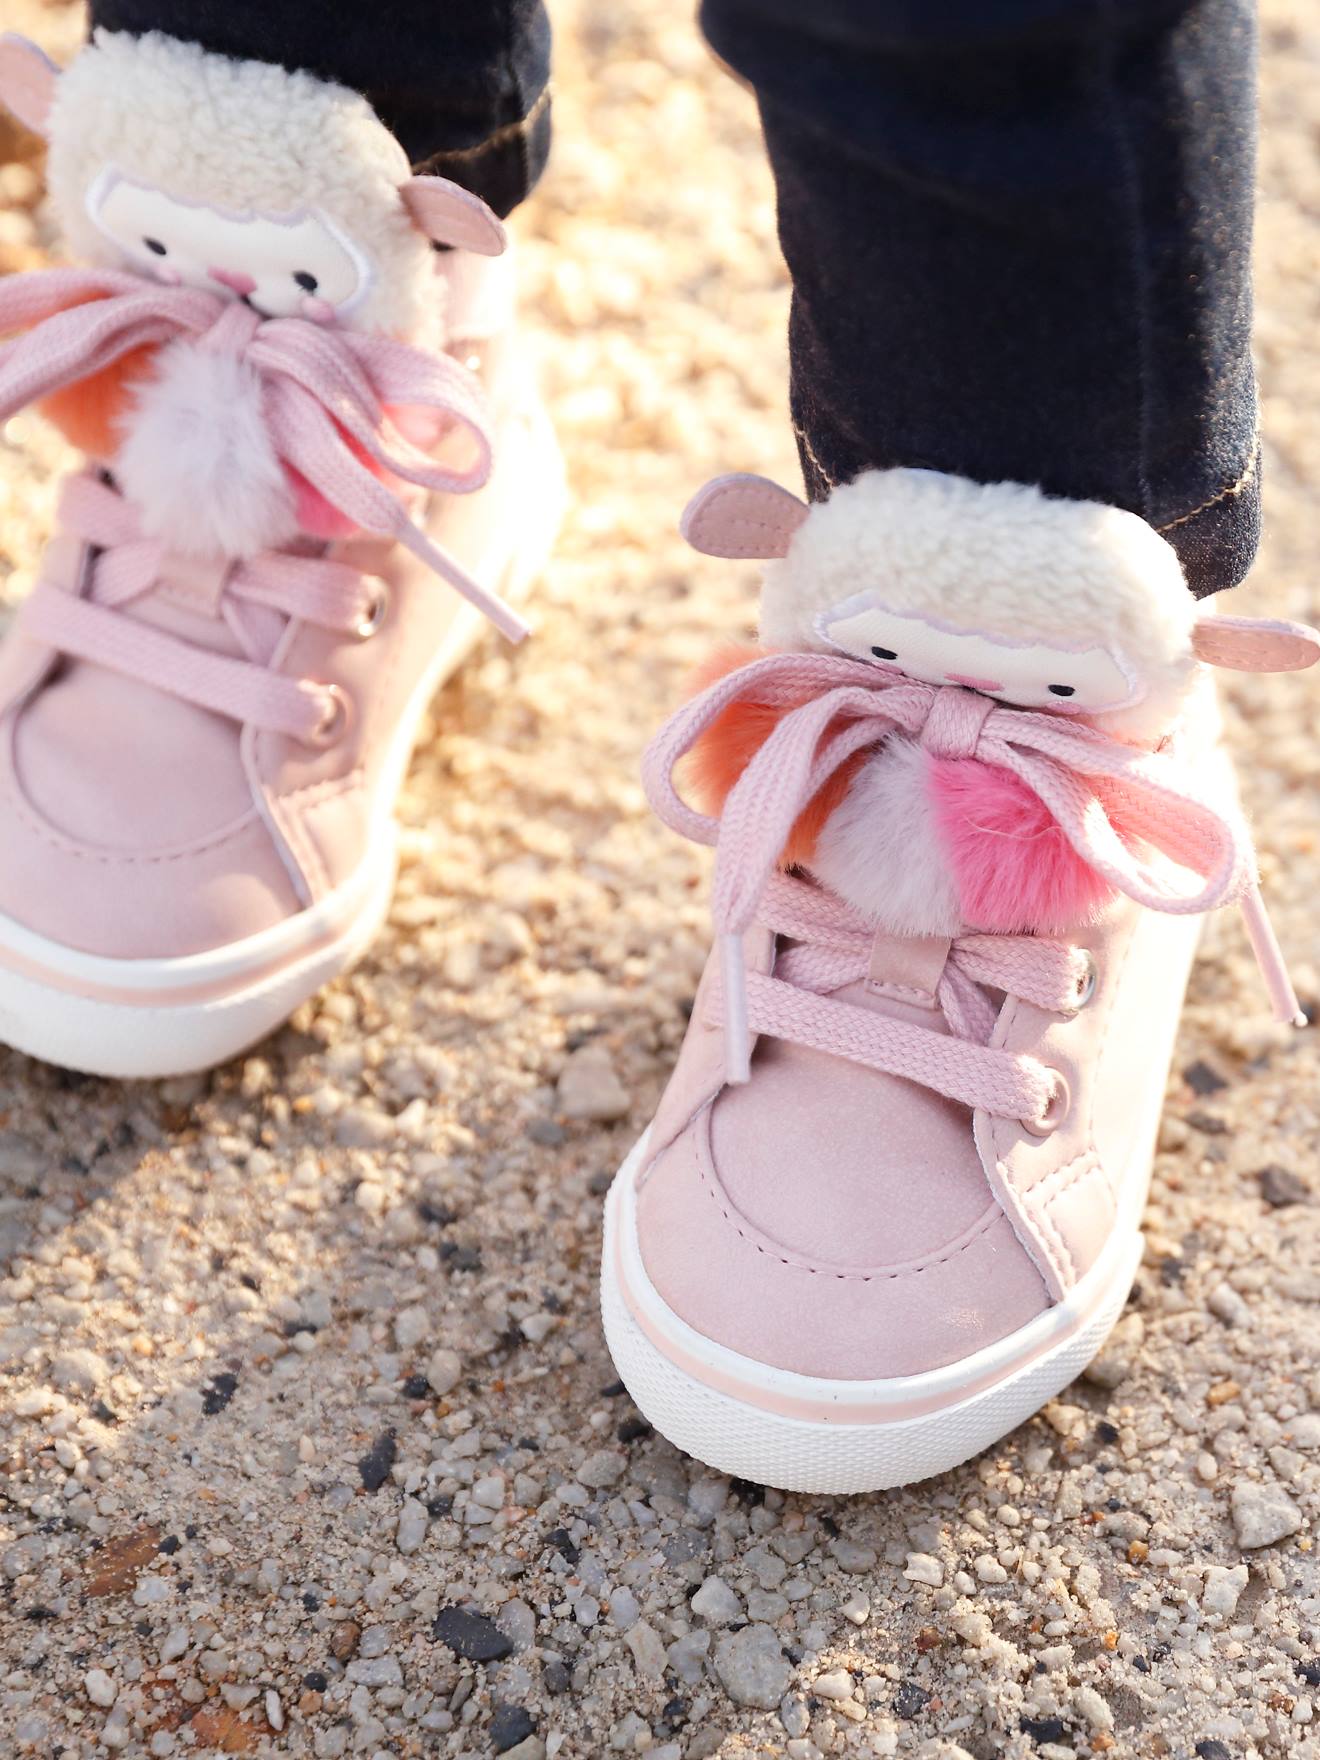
{"points": [[210, 631], [908, 968], [188, 600]]}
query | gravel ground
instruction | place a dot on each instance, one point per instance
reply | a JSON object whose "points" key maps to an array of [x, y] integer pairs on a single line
{"points": [[310, 1443]]}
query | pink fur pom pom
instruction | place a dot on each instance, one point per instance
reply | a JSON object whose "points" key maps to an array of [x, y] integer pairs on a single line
{"points": [[1014, 870], [317, 517]]}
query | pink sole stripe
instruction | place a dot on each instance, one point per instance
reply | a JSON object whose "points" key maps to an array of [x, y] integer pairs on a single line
{"points": [[182, 996], [823, 1411]]}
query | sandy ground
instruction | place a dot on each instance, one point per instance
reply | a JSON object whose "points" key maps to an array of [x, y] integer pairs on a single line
{"points": [[234, 1507]]}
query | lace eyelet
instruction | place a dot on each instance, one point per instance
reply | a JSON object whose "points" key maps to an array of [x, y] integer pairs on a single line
{"points": [[1086, 989], [334, 724], [374, 615], [1060, 1103]]}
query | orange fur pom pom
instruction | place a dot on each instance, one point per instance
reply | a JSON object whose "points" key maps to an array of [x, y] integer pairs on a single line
{"points": [[87, 412], [732, 740]]}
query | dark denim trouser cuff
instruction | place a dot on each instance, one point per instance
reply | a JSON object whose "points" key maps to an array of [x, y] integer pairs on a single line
{"points": [[1019, 233]]}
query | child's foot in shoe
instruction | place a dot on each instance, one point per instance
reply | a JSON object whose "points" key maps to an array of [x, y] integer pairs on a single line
{"points": [[968, 817], [316, 466]]}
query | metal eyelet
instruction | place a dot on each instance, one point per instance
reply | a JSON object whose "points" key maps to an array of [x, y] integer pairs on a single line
{"points": [[333, 725], [1090, 980], [374, 616], [1060, 1103]]}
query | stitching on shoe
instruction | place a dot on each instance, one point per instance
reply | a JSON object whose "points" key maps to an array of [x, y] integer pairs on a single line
{"points": [[1066, 1171], [112, 858], [1080, 1173], [736, 522], [1044, 1235], [305, 853], [1067, 1263], [912, 993], [999, 1128], [310, 793], [981, 1227], [1037, 1243], [1081, 1167]]}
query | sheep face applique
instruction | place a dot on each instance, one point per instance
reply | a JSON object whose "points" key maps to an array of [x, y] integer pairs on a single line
{"points": [[1048, 607], [241, 178], [1079, 679], [177, 173], [285, 265]]}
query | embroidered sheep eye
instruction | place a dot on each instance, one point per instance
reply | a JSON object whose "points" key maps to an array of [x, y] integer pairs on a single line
{"points": [[884, 654], [154, 245], [307, 282], [1063, 690]]}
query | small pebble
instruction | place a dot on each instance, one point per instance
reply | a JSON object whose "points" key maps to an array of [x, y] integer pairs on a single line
{"points": [[471, 1635], [603, 1468], [838, 1684], [533, 1748], [174, 1644], [1227, 1305], [716, 1602], [99, 1687], [1262, 1514], [794, 1715], [413, 1523], [1280, 1186], [849, 1555], [518, 1623], [648, 1651], [510, 1725], [752, 1668], [444, 1371], [1222, 1588], [1093, 1708], [589, 1087], [411, 1327]]}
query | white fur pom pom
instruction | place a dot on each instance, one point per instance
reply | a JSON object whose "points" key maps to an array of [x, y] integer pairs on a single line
{"points": [[197, 461], [880, 849]]}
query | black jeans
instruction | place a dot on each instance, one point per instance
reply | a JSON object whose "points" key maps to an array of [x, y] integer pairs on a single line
{"points": [[1019, 231]]}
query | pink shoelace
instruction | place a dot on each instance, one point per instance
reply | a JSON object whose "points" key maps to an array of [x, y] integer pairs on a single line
{"points": [[332, 595], [323, 387], [1199, 857]]}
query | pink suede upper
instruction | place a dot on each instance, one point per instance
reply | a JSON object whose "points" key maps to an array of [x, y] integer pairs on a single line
{"points": [[837, 1222], [752, 1286]]}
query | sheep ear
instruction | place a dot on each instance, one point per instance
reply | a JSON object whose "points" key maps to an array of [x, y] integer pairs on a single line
{"points": [[27, 82], [742, 516], [1255, 644], [449, 214]]}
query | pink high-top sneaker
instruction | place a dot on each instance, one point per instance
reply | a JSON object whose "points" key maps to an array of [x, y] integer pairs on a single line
{"points": [[969, 810], [306, 428]]}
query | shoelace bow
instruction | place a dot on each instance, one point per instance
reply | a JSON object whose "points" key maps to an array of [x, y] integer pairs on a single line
{"points": [[1200, 857], [322, 387]]}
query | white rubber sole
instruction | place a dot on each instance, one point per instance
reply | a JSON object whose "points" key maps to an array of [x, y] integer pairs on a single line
{"points": [[800, 1433], [164, 1017]]}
